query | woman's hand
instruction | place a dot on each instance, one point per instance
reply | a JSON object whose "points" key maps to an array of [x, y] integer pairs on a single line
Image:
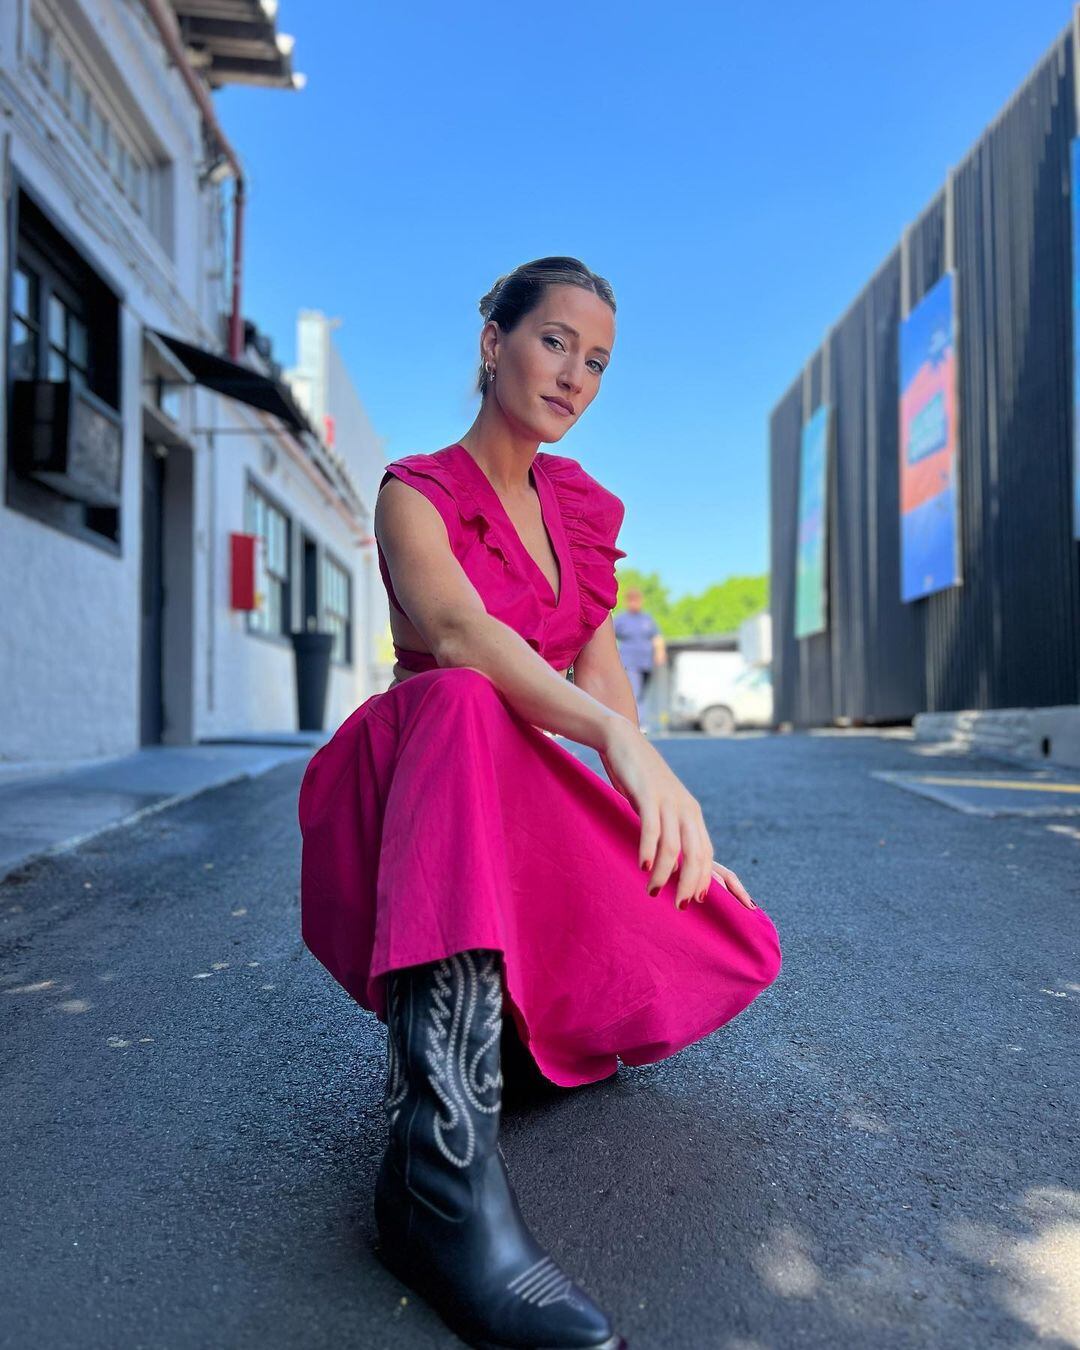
{"points": [[734, 885], [672, 824]]}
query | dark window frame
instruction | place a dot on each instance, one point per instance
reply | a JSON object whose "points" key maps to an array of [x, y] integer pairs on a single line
{"points": [[329, 556], [253, 485], [38, 243]]}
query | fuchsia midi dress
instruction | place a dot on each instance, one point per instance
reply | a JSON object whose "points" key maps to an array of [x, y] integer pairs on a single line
{"points": [[437, 819]]}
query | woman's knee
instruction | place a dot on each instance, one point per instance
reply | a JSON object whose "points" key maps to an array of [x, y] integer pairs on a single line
{"points": [[769, 957]]}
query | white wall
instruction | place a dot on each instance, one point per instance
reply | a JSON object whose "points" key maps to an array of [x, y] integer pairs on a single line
{"points": [[251, 684], [69, 632], [70, 623], [324, 386], [69, 627]]}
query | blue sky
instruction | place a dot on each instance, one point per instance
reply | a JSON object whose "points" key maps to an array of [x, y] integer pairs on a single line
{"points": [[737, 171]]}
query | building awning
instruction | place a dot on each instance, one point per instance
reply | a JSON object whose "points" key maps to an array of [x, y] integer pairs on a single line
{"points": [[236, 42], [238, 381]]}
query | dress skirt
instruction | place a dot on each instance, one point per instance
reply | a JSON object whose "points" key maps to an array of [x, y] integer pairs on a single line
{"points": [[438, 820]]}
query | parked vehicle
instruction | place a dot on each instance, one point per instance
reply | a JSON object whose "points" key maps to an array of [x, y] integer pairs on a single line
{"points": [[749, 704], [707, 685]]}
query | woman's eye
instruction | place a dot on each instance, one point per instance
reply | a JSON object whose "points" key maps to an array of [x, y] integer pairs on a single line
{"points": [[597, 365]]}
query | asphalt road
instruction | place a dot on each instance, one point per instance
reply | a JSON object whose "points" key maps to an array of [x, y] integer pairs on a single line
{"points": [[881, 1151]]}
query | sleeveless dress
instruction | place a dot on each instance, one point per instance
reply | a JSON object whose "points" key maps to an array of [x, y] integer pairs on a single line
{"points": [[437, 819]]}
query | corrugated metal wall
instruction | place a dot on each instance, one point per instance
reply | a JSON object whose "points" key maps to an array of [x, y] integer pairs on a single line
{"points": [[784, 427], [1009, 636]]}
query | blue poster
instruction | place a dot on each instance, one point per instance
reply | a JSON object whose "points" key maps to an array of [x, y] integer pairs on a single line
{"points": [[810, 575], [929, 547]]}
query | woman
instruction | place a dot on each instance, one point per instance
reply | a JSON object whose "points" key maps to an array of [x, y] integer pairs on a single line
{"points": [[459, 864]]}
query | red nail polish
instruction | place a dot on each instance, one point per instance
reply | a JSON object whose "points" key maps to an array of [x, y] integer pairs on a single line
{"points": [[647, 866], [654, 890]]}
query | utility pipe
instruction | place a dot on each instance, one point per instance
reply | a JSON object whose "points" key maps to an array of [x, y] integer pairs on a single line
{"points": [[165, 22]]}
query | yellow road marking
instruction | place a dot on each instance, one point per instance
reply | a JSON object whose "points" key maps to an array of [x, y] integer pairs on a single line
{"points": [[1013, 785]]}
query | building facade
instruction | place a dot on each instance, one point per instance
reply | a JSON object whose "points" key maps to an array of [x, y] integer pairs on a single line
{"points": [[325, 390], [144, 425], [984, 614]]}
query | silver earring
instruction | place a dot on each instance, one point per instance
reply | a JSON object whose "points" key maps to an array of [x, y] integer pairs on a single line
{"points": [[490, 370]]}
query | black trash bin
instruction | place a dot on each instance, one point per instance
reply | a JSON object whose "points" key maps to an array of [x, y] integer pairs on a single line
{"points": [[312, 678]]}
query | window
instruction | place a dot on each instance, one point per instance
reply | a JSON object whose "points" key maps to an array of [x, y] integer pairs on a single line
{"points": [[68, 351], [39, 44], [81, 106], [273, 573], [61, 76], [26, 286], [134, 186], [134, 170], [337, 608], [102, 136], [64, 328], [44, 300]]}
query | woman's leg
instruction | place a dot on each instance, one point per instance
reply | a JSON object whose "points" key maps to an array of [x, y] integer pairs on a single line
{"points": [[448, 1222]]}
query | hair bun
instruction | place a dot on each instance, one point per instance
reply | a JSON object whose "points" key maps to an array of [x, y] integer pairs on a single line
{"points": [[489, 301]]}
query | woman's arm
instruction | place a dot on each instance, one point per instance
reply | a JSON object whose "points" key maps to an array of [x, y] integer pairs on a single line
{"points": [[599, 670], [448, 613]]}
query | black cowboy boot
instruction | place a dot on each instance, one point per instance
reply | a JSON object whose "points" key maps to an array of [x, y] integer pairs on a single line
{"points": [[449, 1224]]}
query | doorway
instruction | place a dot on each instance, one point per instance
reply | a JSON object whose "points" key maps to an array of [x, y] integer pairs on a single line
{"points": [[309, 577], [152, 710]]}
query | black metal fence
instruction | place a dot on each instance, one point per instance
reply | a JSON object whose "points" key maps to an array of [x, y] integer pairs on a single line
{"points": [[1009, 635]]}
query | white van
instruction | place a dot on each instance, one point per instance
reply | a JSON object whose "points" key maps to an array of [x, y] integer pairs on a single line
{"points": [[709, 686]]}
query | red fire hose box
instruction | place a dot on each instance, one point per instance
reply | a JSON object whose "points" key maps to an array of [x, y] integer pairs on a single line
{"points": [[243, 570]]}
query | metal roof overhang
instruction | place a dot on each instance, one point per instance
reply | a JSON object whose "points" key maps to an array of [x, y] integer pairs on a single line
{"points": [[236, 42], [237, 381]]}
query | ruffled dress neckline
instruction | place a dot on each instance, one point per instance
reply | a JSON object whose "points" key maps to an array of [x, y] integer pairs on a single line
{"points": [[476, 482], [582, 519]]}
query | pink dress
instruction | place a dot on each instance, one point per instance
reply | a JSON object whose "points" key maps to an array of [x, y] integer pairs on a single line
{"points": [[437, 819]]}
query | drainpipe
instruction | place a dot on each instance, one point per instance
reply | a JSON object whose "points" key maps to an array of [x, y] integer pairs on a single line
{"points": [[236, 326], [165, 23]]}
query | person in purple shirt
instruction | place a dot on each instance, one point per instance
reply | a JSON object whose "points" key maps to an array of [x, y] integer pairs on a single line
{"points": [[641, 648]]}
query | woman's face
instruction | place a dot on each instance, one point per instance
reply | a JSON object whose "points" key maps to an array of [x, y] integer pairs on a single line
{"points": [[556, 355]]}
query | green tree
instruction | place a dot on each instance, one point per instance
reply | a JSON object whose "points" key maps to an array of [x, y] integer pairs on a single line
{"points": [[719, 608]]}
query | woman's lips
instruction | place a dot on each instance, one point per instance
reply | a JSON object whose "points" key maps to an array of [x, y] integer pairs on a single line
{"points": [[556, 407]]}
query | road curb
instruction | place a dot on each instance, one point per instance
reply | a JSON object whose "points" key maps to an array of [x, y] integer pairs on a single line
{"points": [[133, 817]]}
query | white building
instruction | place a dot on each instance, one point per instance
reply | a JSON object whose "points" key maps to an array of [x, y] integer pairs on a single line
{"points": [[324, 389], [133, 448]]}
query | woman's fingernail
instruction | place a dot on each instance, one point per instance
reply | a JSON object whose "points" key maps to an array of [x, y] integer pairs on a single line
{"points": [[646, 866], [654, 890]]}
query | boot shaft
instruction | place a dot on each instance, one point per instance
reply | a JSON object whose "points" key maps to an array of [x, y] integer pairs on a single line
{"points": [[444, 1085]]}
